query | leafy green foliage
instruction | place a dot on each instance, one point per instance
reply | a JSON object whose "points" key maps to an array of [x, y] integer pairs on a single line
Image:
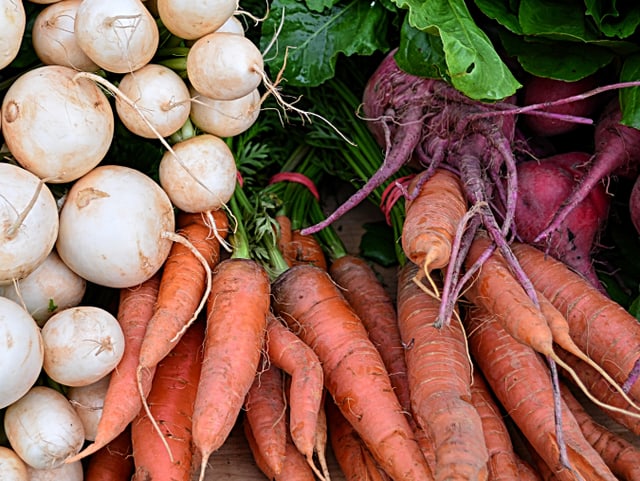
{"points": [[473, 65], [312, 40], [377, 244]]}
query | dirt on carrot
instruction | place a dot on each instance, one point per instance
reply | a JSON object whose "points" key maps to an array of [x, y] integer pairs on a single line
{"points": [[113, 462]]}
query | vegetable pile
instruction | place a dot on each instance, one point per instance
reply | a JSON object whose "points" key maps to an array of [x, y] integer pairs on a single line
{"points": [[171, 267]]}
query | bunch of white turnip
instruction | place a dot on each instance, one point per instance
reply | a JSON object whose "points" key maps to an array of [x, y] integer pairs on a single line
{"points": [[114, 226]]}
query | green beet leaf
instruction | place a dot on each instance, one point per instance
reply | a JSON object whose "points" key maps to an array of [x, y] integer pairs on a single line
{"points": [[313, 40]]}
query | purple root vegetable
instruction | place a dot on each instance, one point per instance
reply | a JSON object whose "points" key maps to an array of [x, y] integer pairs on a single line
{"points": [[542, 187], [617, 151], [537, 90], [427, 119]]}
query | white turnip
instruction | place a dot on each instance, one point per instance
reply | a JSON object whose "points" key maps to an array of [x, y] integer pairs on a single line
{"points": [[192, 20], [82, 344], [43, 428], [28, 222], [161, 100], [66, 472], [114, 225], [21, 352], [51, 287], [57, 126], [12, 24], [225, 118], [200, 175], [11, 466], [54, 39], [88, 402], [232, 25], [224, 66], [119, 35]]}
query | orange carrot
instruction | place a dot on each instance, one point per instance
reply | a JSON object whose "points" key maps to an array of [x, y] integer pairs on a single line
{"points": [[182, 288], [304, 249], [266, 411], [312, 305], [284, 235], [374, 306], [526, 471], [439, 375], [432, 218], [503, 463], [352, 455], [171, 401], [622, 457], [521, 382], [113, 462], [599, 326], [295, 467], [236, 321], [289, 353], [122, 401]]}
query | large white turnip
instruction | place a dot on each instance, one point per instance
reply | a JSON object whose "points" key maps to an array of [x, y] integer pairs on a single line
{"points": [[114, 225], [13, 20], [56, 125], [28, 222]]}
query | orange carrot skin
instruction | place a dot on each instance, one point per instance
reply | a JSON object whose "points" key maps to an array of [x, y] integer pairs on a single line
{"points": [[288, 352], [503, 463], [619, 454], [313, 306], [352, 455], [522, 384], [181, 289], [113, 462], [374, 306], [236, 321], [498, 291], [599, 326], [265, 411], [432, 218], [304, 249], [526, 471], [171, 401], [285, 235], [440, 383], [220, 219], [295, 467], [122, 401]]}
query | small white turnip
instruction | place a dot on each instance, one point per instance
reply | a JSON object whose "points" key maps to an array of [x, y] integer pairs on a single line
{"points": [[28, 222], [113, 227], [51, 287], [232, 25], [161, 98], [88, 402], [12, 467], [225, 118], [13, 20], [200, 175], [224, 66], [54, 39], [56, 125], [119, 35], [43, 428], [82, 344], [191, 20]]}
